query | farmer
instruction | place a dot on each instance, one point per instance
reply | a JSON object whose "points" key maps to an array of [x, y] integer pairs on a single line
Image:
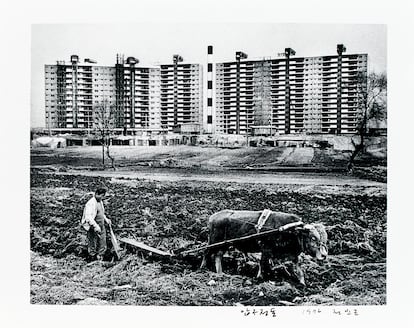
{"points": [[93, 220]]}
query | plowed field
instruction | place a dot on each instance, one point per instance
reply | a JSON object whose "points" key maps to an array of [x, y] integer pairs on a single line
{"points": [[172, 215]]}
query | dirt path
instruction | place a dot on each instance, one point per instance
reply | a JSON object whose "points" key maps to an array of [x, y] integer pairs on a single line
{"points": [[239, 177]]}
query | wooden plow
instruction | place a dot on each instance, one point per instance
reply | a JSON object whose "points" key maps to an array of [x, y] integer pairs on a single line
{"points": [[143, 247], [181, 253]]}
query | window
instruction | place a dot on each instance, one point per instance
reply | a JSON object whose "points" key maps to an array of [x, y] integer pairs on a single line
{"points": [[209, 67], [209, 101], [209, 119], [209, 84]]}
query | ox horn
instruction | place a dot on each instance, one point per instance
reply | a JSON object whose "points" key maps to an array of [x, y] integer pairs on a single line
{"points": [[302, 227], [308, 226]]}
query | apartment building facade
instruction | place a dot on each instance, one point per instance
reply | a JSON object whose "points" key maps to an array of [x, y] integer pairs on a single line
{"points": [[282, 96], [290, 95], [181, 95], [145, 99], [137, 92], [69, 95]]}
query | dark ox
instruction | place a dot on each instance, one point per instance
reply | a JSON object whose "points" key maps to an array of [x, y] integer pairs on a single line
{"points": [[286, 245]]}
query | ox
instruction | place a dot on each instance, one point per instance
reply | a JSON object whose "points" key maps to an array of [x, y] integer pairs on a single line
{"points": [[285, 245]]}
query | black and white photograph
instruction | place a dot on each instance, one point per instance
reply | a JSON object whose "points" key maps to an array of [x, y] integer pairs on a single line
{"points": [[226, 165], [248, 171]]}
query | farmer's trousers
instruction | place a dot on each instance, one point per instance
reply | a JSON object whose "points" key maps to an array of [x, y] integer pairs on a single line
{"points": [[97, 242]]}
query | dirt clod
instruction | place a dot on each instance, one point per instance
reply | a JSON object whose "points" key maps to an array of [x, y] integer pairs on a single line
{"points": [[172, 216]]}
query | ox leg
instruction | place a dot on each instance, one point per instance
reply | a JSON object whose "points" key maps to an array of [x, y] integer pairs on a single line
{"points": [[295, 271], [299, 274], [264, 267], [259, 273], [204, 262], [218, 258]]}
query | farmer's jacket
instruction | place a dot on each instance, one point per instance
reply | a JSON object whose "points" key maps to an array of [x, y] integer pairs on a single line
{"points": [[89, 214]]}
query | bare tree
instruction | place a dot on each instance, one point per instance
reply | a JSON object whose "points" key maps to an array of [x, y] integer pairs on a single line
{"points": [[372, 98], [104, 125]]}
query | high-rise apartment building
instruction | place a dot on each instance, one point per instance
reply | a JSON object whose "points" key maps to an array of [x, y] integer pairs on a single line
{"points": [[290, 95], [69, 94], [137, 92], [145, 99], [181, 94], [282, 96]]}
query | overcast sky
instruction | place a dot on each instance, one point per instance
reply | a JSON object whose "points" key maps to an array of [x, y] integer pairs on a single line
{"points": [[154, 43]]}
